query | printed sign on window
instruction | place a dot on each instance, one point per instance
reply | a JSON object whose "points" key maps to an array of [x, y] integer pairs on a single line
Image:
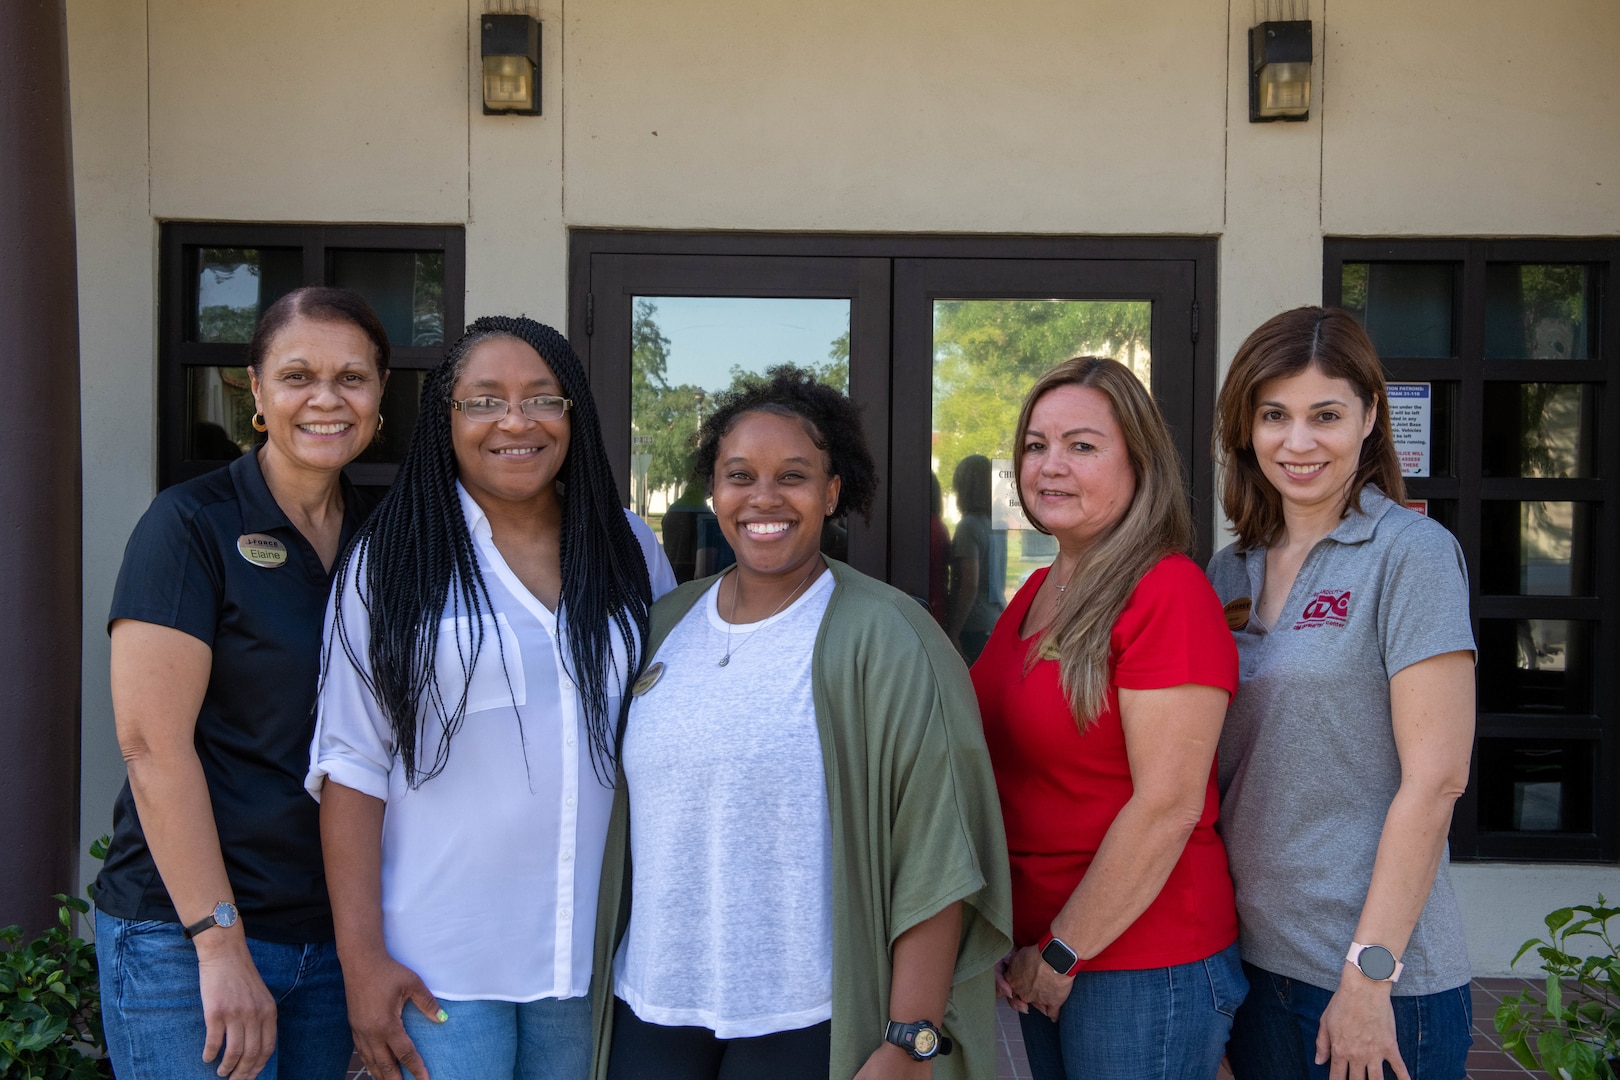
{"points": [[1409, 417], [1005, 512]]}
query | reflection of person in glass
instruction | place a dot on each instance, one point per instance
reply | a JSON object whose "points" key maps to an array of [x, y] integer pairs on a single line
{"points": [[806, 802], [975, 594], [680, 530], [939, 554], [1348, 740], [1103, 690], [484, 631], [213, 930]]}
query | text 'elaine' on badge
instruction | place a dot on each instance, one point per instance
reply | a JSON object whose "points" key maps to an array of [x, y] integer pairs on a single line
{"points": [[262, 550]]}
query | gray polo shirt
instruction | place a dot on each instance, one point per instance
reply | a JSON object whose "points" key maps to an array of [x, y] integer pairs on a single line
{"points": [[1308, 766]]}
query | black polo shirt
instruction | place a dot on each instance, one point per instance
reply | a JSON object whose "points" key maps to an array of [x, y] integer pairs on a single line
{"points": [[216, 558]]}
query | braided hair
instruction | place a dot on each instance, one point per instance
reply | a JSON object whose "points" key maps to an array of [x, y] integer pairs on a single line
{"points": [[417, 565]]}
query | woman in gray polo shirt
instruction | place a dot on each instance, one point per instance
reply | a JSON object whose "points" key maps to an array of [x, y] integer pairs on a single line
{"points": [[1348, 740]]}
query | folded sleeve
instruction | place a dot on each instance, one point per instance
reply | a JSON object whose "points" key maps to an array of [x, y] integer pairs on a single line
{"points": [[354, 741], [948, 841], [1172, 632]]}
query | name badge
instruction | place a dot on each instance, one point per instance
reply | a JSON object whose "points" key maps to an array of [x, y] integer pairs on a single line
{"points": [[1237, 612], [261, 549], [648, 680]]}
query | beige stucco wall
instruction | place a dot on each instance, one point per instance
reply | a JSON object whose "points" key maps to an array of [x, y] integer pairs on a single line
{"points": [[117, 250], [1472, 117], [1019, 116], [1095, 117], [306, 110]]}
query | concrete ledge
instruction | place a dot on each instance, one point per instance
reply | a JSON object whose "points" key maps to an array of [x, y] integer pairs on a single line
{"points": [[1503, 905]]}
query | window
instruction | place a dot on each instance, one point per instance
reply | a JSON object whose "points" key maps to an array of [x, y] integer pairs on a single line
{"points": [[1506, 350], [217, 279]]}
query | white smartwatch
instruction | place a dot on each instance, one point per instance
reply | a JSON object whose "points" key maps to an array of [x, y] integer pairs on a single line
{"points": [[1375, 962]]}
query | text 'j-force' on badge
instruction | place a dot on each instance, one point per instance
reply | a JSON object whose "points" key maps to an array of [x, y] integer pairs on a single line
{"points": [[1237, 612], [648, 680], [262, 550]]}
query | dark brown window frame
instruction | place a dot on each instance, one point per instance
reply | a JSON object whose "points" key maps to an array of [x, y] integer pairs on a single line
{"points": [[176, 354], [1468, 369]]}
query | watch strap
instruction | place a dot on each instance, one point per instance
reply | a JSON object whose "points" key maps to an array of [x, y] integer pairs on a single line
{"points": [[1354, 957], [905, 1037], [224, 914]]}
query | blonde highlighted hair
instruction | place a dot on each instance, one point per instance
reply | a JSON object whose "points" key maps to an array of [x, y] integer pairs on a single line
{"points": [[1157, 523]]}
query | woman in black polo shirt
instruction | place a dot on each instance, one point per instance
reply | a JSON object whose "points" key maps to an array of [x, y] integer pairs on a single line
{"points": [[213, 929]]}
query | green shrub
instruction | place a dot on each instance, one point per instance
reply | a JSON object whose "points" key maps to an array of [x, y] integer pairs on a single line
{"points": [[50, 1001], [1576, 1024]]}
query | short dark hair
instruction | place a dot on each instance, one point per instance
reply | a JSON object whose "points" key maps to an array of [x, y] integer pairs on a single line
{"points": [[1333, 342], [971, 483], [318, 303], [831, 419]]}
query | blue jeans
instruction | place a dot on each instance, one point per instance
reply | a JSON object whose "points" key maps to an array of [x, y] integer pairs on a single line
{"points": [[549, 1039], [1274, 1037], [1165, 1023], [151, 1005]]}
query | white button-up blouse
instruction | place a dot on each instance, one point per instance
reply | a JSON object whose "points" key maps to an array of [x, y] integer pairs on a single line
{"points": [[489, 869]]}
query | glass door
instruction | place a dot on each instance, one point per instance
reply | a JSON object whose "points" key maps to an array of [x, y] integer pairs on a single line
{"points": [[973, 335], [672, 332], [935, 338], [685, 350]]}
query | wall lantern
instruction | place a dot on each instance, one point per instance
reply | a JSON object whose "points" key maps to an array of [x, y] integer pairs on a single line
{"points": [[511, 51], [1280, 71]]}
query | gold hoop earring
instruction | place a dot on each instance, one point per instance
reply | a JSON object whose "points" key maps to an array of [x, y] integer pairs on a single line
{"points": [[379, 425], [258, 422]]}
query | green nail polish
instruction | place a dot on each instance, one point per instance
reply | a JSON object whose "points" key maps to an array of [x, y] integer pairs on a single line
{"points": [[442, 1017]]}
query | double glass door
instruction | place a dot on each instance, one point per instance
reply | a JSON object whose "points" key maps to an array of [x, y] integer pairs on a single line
{"points": [[936, 340]]}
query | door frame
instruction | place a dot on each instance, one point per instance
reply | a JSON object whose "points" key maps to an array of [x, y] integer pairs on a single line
{"points": [[881, 550]]}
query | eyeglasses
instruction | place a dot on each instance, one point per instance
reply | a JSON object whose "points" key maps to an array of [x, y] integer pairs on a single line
{"points": [[489, 410]]}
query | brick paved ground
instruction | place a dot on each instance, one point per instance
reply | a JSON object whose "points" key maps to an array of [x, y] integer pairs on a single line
{"points": [[1485, 1062]]}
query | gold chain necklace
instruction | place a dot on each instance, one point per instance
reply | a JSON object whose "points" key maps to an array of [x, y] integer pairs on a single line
{"points": [[736, 587]]}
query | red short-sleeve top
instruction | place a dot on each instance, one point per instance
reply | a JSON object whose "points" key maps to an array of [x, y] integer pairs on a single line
{"points": [[1061, 789]]}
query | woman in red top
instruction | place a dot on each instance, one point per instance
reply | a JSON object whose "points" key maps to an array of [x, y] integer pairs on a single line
{"points": [[1103, 688]]}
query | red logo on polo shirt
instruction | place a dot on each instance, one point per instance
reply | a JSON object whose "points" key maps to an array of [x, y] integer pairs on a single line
{"points": [[1329, 607]]}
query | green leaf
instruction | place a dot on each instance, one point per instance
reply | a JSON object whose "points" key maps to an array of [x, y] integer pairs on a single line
{"points": [[1526, 947], [1558, 918]]}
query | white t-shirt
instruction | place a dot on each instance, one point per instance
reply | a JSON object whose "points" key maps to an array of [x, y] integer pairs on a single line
{"points": [[730, 835], [490, 869]]}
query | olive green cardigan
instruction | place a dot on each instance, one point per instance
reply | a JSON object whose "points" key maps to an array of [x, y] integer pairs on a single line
{"points": [[916, 825]]}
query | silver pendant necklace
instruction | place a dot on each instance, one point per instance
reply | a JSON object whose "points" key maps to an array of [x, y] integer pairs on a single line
{"points": [[736, 587]]}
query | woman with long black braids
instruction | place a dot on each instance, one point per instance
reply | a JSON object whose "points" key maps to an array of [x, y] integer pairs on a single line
{"points": [[488, 620]]}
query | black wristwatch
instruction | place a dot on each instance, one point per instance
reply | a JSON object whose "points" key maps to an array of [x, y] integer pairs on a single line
{"points": [[224, 914], [921, 1040]]}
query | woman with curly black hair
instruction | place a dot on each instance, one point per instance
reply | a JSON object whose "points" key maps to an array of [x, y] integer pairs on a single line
{"points": [[820, 878], [487, 624]]}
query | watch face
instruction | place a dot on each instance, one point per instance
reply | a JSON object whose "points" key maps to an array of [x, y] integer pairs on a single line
{"points": [[925, 1043], [1058, 956], [1376, 962], [225, 914]]}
